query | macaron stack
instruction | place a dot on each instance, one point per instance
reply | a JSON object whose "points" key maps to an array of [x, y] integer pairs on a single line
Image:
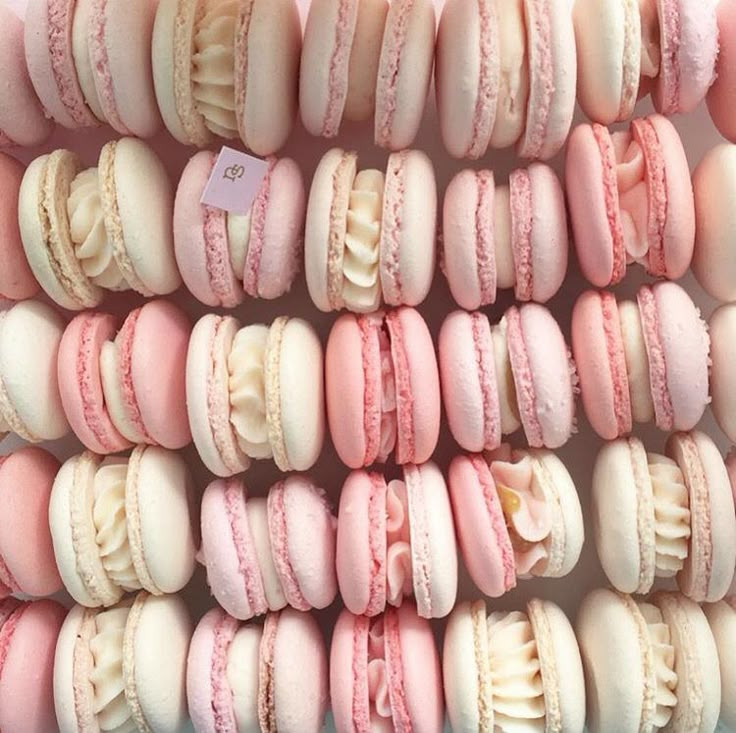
{"points": [[313, 441]]}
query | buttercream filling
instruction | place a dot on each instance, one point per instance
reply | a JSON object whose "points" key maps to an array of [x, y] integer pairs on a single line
{"points": [[651, 49], [389, 417], [213, 66], [631, 59], [637, 366], [398, 543], [107, 676], [510, 420], [111, 525], [238, 240], [92, 246], [247, 389], [671, 514], [361, 289], [663, 659], [502, 236], [516, 678], [378, 684], [242, 678]]}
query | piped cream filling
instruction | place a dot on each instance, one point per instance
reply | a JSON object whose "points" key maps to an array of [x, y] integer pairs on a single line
{"points": [[671, 515], [361, 282], [107, 678], [516, 677], [238, 238], [637, 363], [246, 367], [213, 66], [398, 544], [381, 710], [242, 677], [502, 237], [92, 246], [651, 50], [389, 415], [510, 420]]}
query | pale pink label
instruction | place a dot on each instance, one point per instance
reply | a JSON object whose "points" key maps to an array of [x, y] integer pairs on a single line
{"points": [[235, 181]]}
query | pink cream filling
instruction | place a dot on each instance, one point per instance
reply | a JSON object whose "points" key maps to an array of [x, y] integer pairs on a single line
{"points": [[544, 88], [617, 362], [398, 544], [406, 439], [7, 629], [520, 187], [222, 695], [257, 232], [484, 246], [339, 61], [8, 584], [487, 378]]}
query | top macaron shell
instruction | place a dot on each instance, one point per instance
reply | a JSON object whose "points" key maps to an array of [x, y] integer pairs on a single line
{"points": [[722, 94]]}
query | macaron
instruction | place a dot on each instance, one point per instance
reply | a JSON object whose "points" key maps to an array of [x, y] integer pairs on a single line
{"points": [[385, 673], [722, 328], [227, 70], [721, 97], [105, 228], [16, 279], [128, 385], [512, 670], [382, 386], [124, 667], [506, 236], [367, 58], [505, 74], [714, 183], [649, 665], [665, 516], [27, 562], [517, 515], [631, 200], [255, 392], [722, 619], [371, 238], [396, 539], [262, 554], [123, 524], [30, 402], [222, 256], [28, 634], [641, 361], [22, 118], [498, 378], [238, 678]]}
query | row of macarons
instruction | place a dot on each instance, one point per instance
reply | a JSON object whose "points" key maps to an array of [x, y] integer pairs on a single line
{"points": [[660, 663], [369, 237], [506, 73], [100, 527], [244, 392]]}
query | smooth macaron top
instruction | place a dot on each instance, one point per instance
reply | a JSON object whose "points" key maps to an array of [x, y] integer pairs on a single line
{"points": [[722, 330], [722, 94]]}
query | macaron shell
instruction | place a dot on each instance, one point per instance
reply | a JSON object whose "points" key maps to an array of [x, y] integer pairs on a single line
{"points": [[722, 329], [63, 670], [722, 619], [722, 94], [346, 672]]}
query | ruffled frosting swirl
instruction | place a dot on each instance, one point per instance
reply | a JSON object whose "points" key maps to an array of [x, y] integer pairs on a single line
{"points": [[389, 419], [246, 367], [398, 547], [89, 235], [111, 523], [361, 283], [671, 515], [378, 690], [213, 67], [108, 682], [516, 678]]}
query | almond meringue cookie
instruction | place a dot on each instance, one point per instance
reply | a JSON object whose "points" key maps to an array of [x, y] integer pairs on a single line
{"points": [[722, 619]]}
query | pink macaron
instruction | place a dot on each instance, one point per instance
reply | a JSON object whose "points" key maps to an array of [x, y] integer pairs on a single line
{"points": [[238, 678], [396, 539], [631, 200], [497, 237], [498, 378], [126, 386], [27, 563], [366, 59], [641, 361], [223, 256], [382, 387], [264, 554], [385, 673], [28, 635], [722, 95]]}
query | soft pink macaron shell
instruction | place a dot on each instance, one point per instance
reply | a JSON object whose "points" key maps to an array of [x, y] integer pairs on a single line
{"points": [[722, 95], [17, 282], [22, 120], [26, 682], [26, 548]]}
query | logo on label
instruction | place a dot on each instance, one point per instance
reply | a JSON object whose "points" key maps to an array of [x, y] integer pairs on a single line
{"points": [[235, 181], [234, 172]]}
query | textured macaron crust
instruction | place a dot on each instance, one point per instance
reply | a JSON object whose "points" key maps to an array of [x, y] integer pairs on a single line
{"points": [[388, 401], [722, 94], [722, 619], [631, 200], [714, 183], [261, 555], [371, 237], [394, 539], [722, 329], [30, 403], [482, 662], [28, 635], [223, 256], [498, 237], [227, 70], [139, 648], [27, 563], [247, 677], [255, 392], [108, 528], [647, 663], [386, 671]]}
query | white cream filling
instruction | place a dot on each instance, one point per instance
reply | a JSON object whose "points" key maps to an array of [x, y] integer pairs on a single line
{"points": [[651, 49], [389, 416], [510, 421], [502, 237], [238, 241], [398, 544], [258, 524], [242, 676], [637, 362]]}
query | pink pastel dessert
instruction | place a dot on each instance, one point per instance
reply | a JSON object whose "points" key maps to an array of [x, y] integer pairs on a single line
{"points": [[722, 95]]}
